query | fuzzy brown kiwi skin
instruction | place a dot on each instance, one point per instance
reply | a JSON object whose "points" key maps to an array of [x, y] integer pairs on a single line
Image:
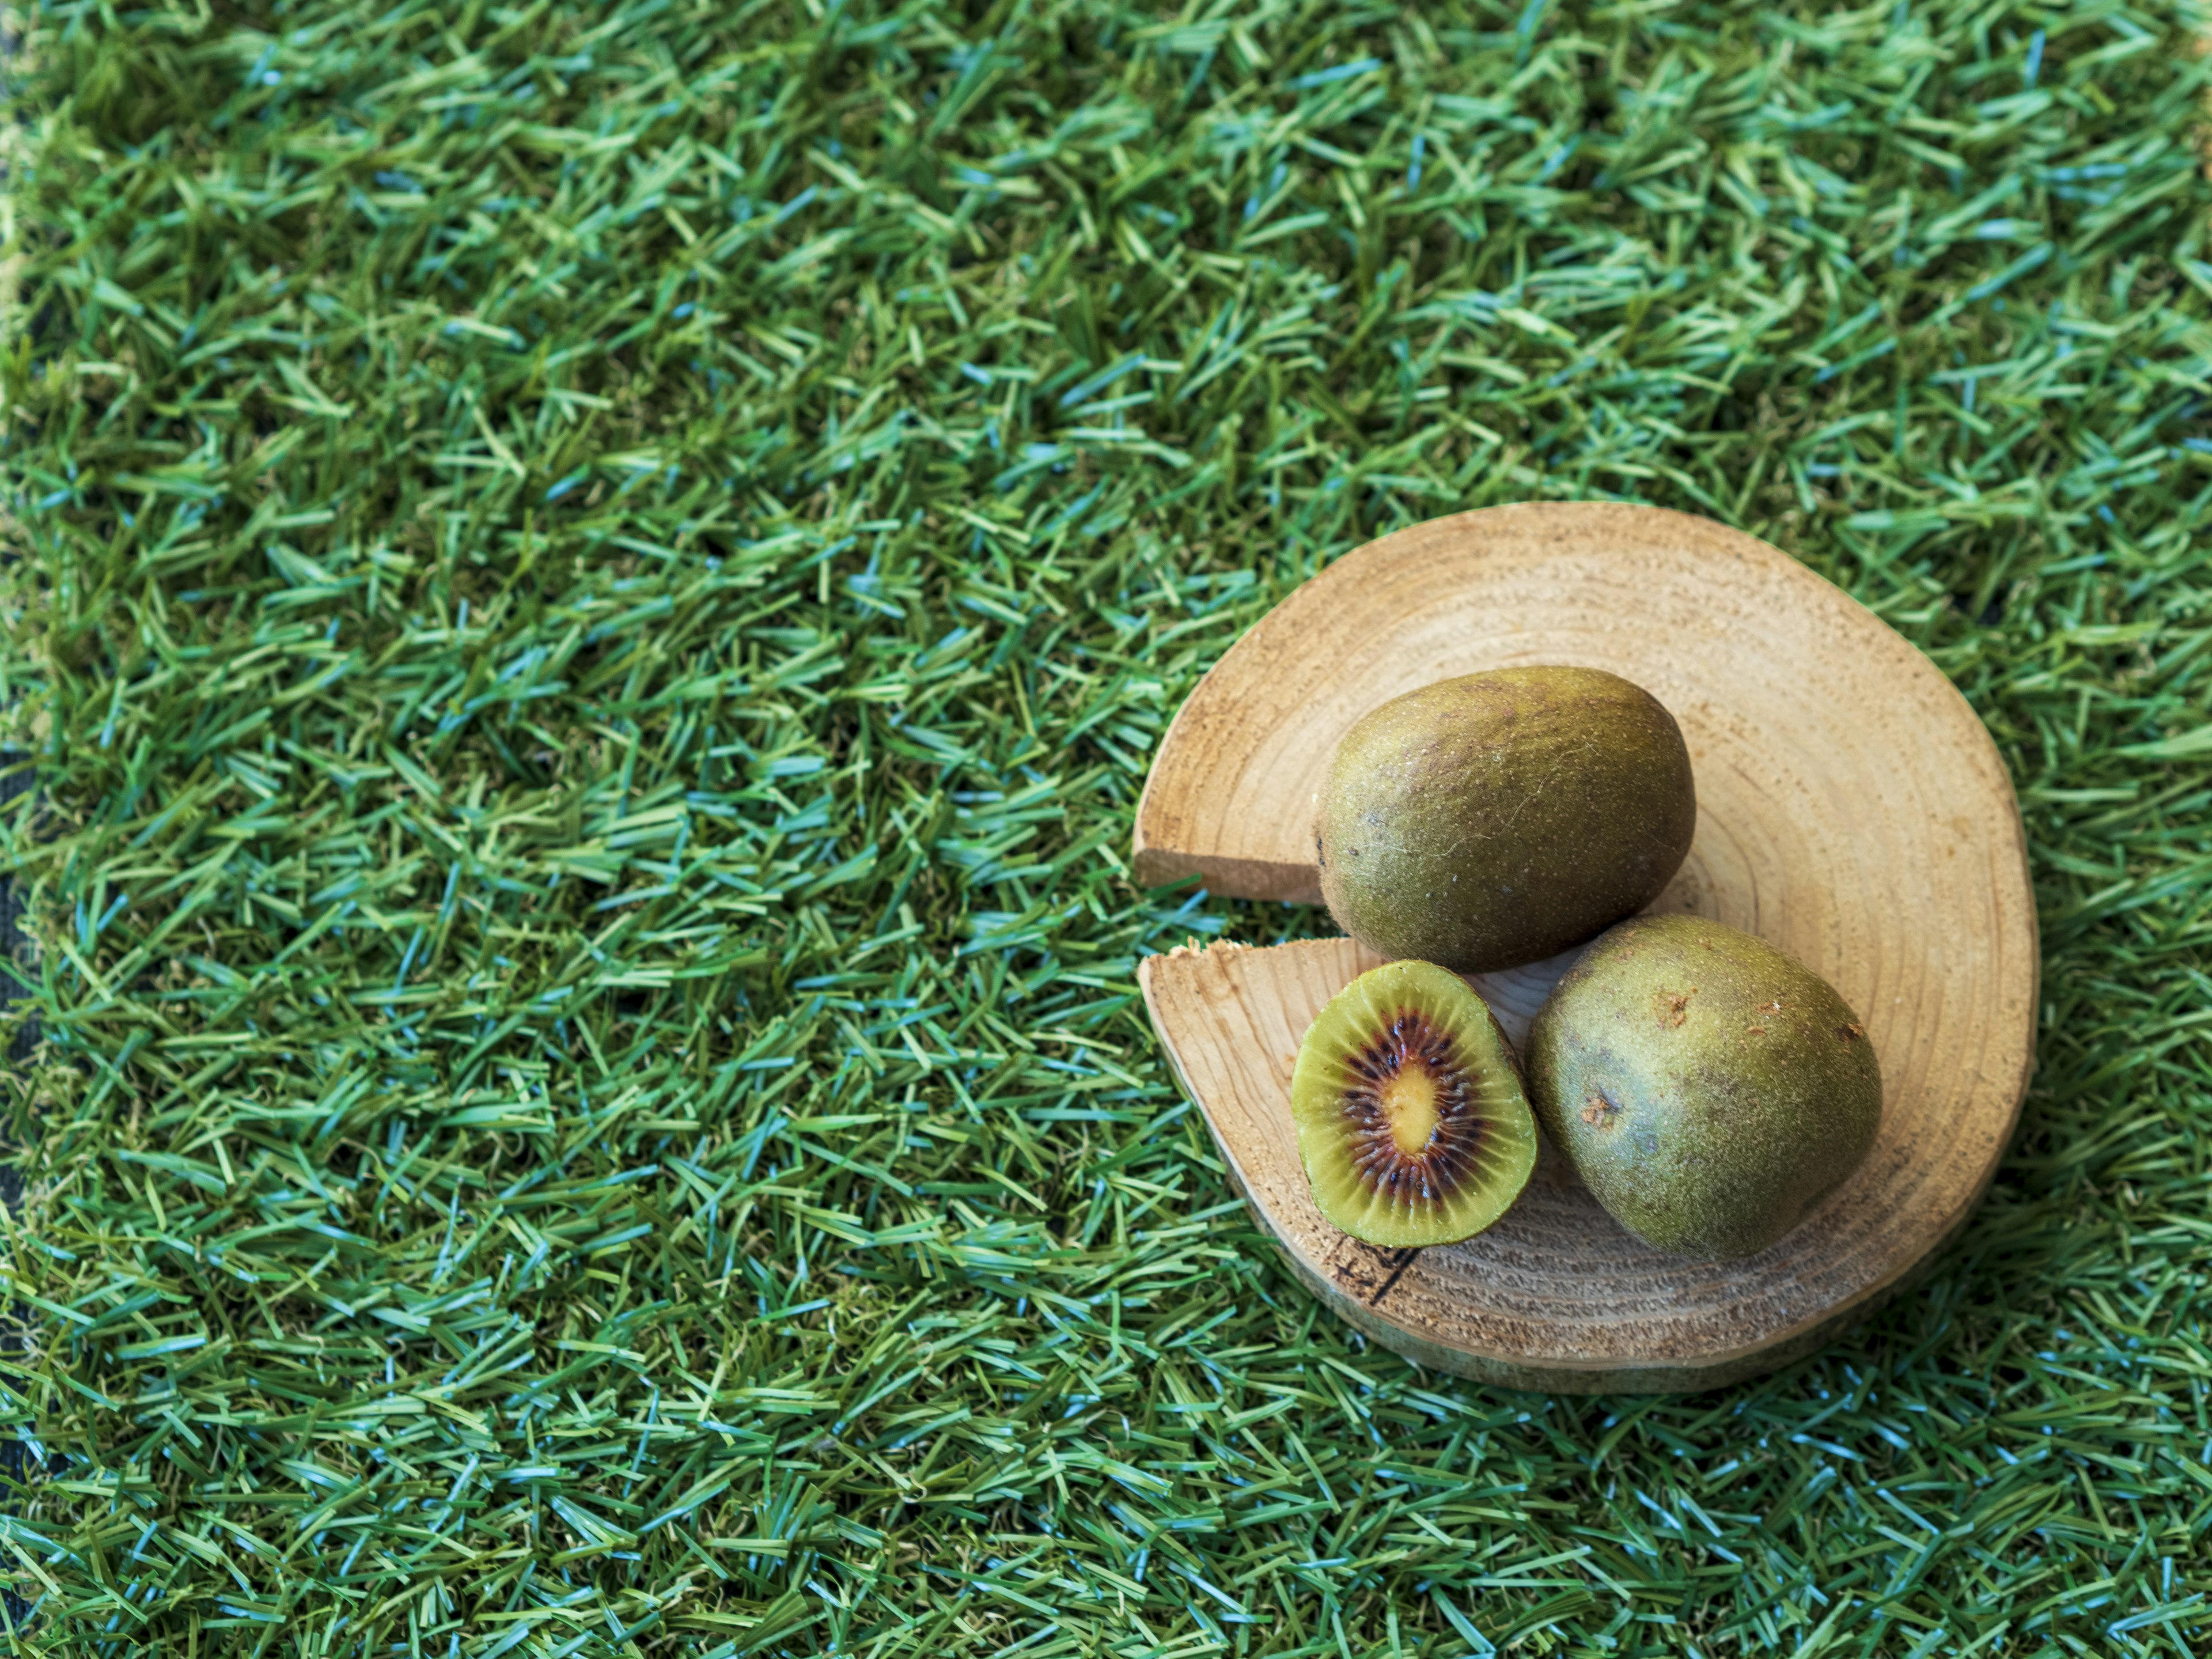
{"points": [[1709, 1089], [1498, 818]]}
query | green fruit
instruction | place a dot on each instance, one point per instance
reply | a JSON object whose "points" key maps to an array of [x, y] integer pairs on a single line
{"points": [[1498, 818], [1708, 1089], [1412, 1122]]}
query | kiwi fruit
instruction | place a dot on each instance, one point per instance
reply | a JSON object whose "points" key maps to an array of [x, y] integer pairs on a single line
{"points": [[1498, 818], [1708, 1089], [1411, 1122]]}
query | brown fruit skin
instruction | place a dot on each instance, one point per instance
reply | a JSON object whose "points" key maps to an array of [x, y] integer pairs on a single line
{"points": [[1706, 1119], [1498, 818]]}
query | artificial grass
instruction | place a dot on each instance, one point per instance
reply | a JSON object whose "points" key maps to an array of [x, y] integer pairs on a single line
{"points": [[590, 589]]}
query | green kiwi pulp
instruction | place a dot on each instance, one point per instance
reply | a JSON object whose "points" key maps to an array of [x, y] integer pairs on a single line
{"points": [[1412, 1122]]}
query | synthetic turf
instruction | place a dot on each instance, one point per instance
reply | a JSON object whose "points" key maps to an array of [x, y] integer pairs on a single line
{"points": [[592, 588]]}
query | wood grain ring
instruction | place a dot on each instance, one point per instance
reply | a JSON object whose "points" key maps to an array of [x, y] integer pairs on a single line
{"points": [[1851, 809]]}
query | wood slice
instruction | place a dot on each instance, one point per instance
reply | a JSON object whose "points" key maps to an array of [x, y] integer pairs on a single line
{"points": [[1851, 809]]}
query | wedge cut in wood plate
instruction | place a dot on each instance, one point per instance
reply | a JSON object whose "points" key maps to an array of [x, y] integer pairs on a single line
{"points": [[1851, 809]]}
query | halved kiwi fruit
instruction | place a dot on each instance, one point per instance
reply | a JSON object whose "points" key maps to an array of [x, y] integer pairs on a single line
{"points": [[1411, 1122]]}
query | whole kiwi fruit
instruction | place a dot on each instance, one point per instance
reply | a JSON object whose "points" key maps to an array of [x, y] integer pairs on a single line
{"points": [[1708, 1089], [1499, 818], [1412, 1124]]}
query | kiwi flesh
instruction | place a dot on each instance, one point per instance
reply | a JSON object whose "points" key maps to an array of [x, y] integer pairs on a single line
{"points": [[1709, 1089], [1412, 1124], [1498, 818]]}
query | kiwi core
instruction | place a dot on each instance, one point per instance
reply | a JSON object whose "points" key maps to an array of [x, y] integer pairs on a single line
{"points": [[1408, 1088], [1409, 1101]]}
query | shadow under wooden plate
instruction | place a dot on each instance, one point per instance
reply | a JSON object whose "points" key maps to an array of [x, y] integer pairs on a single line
{"points": [[1851, 809]]}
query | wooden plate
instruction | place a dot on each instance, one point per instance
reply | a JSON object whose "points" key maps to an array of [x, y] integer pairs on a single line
{"points": [[1851, 809]]}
